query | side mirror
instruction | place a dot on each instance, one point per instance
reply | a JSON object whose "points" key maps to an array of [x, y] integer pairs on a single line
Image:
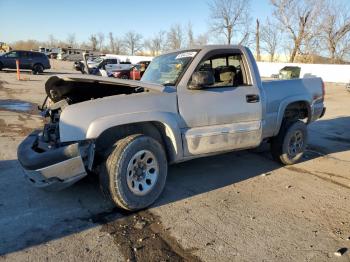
{"points": [[201, 79]]}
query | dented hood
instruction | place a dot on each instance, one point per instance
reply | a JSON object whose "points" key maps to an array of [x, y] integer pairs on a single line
{"points": [[84, 87]]}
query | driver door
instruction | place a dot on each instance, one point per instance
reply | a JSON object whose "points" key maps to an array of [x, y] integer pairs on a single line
{"points": [[224, 116]]}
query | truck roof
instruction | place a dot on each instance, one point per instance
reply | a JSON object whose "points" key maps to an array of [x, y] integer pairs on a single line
{"points": [[207, 48]]}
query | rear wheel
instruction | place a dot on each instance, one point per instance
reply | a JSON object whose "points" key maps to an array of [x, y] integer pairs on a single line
{"points": [[38, 69], [1, 66], [289, 145], [134, 174]]}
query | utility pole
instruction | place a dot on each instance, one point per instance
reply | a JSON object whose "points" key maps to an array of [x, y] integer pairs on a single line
{"points": [[257, 37]]}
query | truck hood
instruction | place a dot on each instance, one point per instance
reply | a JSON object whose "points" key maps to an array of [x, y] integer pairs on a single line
{"points": [[79, 88], [84, 120]]}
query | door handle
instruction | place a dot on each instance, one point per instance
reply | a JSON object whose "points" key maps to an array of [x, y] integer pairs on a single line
{"points": [[252, 98]]}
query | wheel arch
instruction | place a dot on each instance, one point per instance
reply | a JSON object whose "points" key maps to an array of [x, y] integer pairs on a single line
{"points": [[38, 64], [164, 132], [294, 109]]}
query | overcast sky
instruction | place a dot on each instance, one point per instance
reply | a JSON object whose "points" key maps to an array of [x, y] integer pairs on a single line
{"points": [[22, 20]]}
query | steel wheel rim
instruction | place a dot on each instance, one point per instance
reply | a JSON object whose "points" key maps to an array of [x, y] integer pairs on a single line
{"points": [[142, 172], [296, 144]]}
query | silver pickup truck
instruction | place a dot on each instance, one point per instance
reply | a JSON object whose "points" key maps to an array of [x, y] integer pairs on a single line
{"points": [[189, 103]]}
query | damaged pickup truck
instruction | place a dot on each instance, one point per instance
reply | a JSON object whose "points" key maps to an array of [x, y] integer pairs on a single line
{"points": [[189, 103]]}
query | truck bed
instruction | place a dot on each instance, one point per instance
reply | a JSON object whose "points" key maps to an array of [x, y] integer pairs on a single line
{"points": [[280, 92]]}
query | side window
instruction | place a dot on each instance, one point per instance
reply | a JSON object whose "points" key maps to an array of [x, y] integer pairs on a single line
{"points": [[24, 54], [13, 54], [226, 69]]}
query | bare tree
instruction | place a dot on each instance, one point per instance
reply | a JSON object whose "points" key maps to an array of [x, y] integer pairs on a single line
{"points": [[257, 39], [155, 44], [269, 36], [297, 17], [175, 37], [119, 46], [202, 39], [335, 31], [190, 36], [52, 42], [84, 45], [230, 18], [133, 42], [27, 45], [111, 42], [71, 40], [93, 40], [101, 39]]}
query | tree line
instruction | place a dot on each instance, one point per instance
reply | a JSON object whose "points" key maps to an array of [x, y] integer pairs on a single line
{"points": [[297, 29]]}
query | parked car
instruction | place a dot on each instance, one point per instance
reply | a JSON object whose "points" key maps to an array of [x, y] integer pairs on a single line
{"points": [[35, 61], [79, 66], [289, 72], [188, 104], [348, 87], [135, 73], [103, 66], [122, 74]]}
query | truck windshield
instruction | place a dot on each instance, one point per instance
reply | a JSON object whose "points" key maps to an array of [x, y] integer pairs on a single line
{"points": [[166, 69]]}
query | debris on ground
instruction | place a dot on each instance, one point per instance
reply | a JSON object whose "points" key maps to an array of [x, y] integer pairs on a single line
{"points": [[140, 225], [143, 238]]}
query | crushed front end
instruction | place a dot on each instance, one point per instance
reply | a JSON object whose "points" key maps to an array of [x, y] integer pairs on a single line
{"points": [[48, 163]]}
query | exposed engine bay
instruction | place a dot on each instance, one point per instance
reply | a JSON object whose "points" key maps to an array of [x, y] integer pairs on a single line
{"points": [[74, 91], [64, 91]]}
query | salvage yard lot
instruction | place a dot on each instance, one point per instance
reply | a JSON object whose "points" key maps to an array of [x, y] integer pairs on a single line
{"points": [[239, 206]]}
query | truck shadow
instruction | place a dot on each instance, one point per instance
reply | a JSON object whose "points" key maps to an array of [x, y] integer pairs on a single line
{"points": [[30, 217]]}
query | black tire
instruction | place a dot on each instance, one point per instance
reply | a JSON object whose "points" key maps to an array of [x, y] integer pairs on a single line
{"points": [[1, 66], [38, 69], [289, 145], [115, 180]]}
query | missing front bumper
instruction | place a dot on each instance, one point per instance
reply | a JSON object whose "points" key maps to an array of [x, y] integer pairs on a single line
{"points": [[54, 169]]}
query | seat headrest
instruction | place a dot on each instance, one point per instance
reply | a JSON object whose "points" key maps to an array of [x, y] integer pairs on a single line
{"points": [[226, 76]]}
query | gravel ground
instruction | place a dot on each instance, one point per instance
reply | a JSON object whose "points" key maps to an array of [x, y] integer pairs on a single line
{"points": [[239, 206]]}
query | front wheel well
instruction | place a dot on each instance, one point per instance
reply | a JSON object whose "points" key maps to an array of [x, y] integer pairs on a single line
{"points": [[38, 64], [110, 136]]}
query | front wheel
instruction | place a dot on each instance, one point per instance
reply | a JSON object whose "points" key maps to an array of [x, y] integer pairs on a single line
{"points": [[289, 145], [134, 174], [38, 69]]}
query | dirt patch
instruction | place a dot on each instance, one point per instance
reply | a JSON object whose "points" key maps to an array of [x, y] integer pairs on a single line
{"points": [[15, 105], [2, 84], [142, 237], [13, 129]]}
